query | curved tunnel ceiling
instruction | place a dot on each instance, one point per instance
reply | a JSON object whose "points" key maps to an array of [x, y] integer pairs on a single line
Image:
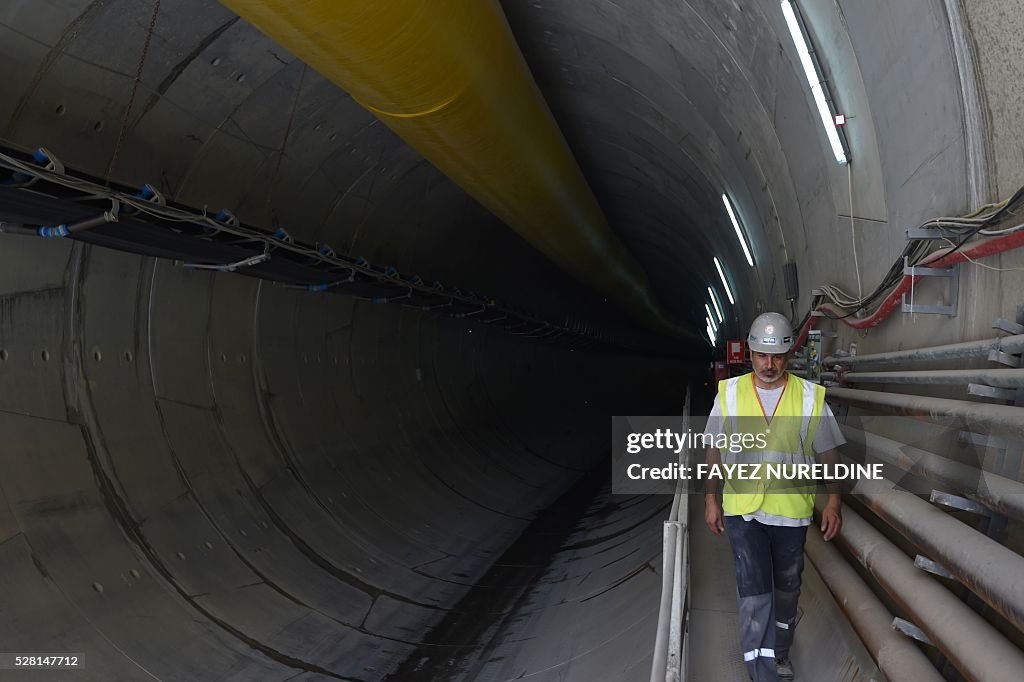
{"points": [[221, 478], [657, 85]]}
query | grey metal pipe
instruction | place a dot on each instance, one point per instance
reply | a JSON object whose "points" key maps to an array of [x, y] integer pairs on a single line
{"points": [[825, 376], [896, 656], [972, 645], [953, 351], [1006, 420], [1002, 494], [1001, 378], [90, 223], [19, 229], [986, 568], [59, 230]]}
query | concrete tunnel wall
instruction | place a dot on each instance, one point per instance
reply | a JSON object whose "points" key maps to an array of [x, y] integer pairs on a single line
{"points": [[209, 477], [177, 409]]}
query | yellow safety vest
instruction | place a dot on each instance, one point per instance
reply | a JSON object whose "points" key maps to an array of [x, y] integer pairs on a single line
{"points": [[790, 442]]}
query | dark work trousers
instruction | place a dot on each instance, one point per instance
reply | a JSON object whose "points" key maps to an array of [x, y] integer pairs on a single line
{"points": [[768, 561]]}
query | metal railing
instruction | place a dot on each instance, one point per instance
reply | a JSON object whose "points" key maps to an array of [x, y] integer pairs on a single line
{"points": [[669, 661]]}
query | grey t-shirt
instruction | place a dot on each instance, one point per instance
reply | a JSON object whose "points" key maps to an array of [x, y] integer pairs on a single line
{"points": [[827, 436]]}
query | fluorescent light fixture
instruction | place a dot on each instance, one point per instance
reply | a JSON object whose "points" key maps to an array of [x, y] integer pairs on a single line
{"points": [[739, 232], [817, 87], [711, 336], [714, 302], [711, 318], [725, 283]]}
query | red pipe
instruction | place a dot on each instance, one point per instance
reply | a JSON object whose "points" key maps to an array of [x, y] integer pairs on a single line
{"points": [[939, 259]]}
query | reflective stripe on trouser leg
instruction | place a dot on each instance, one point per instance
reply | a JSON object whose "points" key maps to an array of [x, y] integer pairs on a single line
{"points": [[757, 636], [785, 621]]}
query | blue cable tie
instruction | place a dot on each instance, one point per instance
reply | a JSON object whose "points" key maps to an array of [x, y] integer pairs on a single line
{"points": [[280, 234], [40, 156], [380, 299], [147, 192], [319, 287], [52, 232]]}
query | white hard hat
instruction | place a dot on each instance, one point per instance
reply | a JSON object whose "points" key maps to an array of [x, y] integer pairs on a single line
{"points": [[770, 333]]}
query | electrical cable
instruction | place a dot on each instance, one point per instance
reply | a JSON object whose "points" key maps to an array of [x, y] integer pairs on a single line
{"points": [[916, 250], [352, 271]]}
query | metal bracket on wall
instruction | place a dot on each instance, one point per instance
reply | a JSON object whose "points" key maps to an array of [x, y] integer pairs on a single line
{"points": [[957, 502], [951, 273], [911, 630], [1002, 358], [926, 564], [983, 391], [1008, 326], [1004, 325], [982, 440]]}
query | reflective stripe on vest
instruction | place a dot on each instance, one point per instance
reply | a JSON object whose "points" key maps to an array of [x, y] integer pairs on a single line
{"points": [[787, 444]]}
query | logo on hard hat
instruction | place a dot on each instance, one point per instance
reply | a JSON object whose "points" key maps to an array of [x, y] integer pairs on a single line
{"points": [[768, 339], [770, 329]]}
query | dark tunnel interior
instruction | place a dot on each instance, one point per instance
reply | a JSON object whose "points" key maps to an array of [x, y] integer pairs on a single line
{"points": [[229, 476]]}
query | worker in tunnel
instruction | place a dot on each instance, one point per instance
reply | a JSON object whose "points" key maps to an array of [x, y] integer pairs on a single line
{"points": [[766, 519]]}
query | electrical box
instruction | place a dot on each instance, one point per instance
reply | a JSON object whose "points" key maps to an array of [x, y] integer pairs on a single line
{"points": [[736, 352]]}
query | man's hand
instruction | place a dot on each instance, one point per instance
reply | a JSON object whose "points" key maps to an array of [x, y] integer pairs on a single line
{"points": [[831, 517], [713, 514]]}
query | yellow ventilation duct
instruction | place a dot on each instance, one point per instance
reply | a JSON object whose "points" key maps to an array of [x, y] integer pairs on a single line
{"points": [[448, 77]]}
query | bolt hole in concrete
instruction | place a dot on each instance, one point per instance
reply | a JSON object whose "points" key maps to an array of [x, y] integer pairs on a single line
{"points": [[98, 126], [3, 354], [60, 109], [97, 356], [241, 78], [97, 587], [223, 357], [181, 555], [215, 61], [128, 356], [45, 355]]}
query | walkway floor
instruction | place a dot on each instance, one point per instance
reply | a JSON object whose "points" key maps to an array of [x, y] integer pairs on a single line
{"points": [[714, 654]]}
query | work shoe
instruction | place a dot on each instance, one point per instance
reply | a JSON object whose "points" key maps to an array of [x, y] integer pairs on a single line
{"points": [[784, 668]]}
